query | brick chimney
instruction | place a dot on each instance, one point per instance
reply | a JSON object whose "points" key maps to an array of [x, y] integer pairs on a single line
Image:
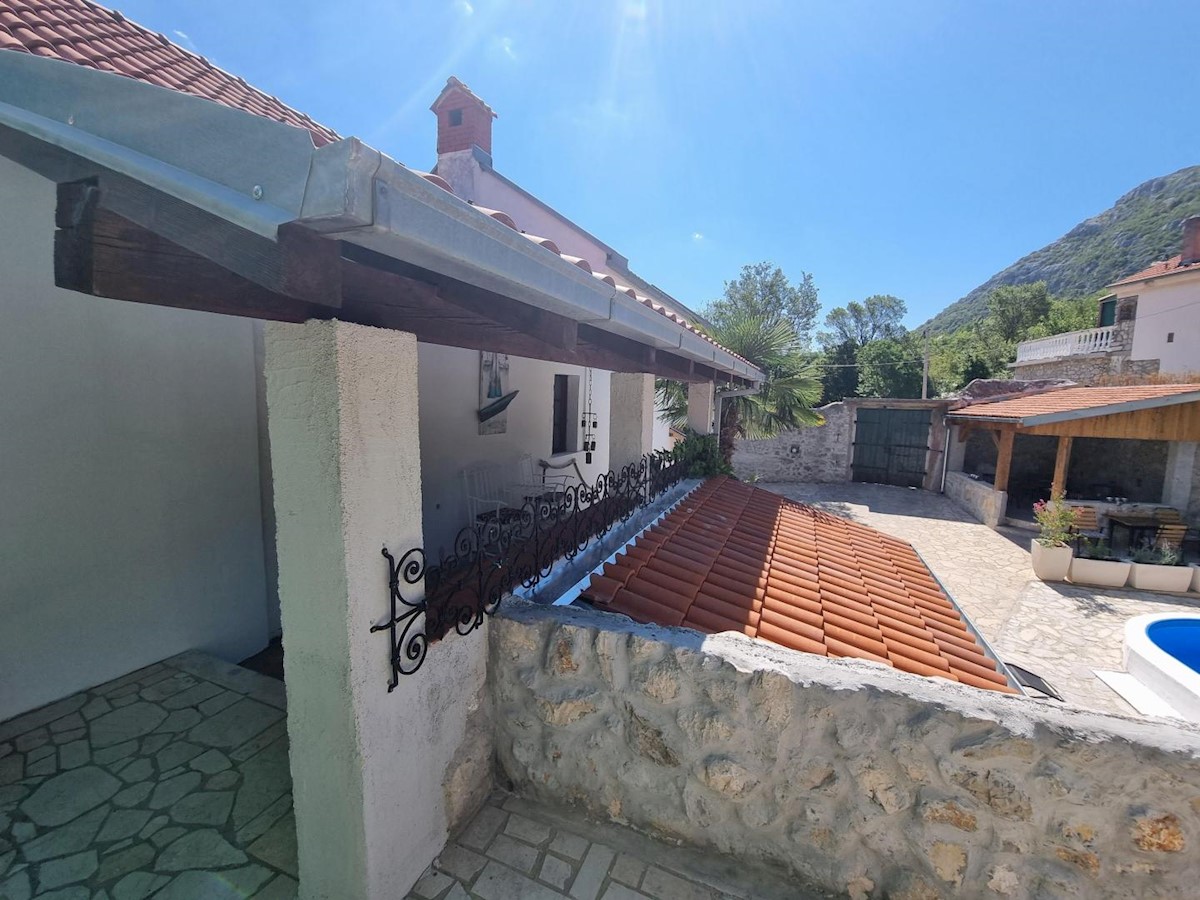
{"points": [[463, 119], [1191, 241]]}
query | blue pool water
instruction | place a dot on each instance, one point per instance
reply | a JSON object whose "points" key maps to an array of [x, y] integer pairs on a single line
{"points": [[1180, 638]]}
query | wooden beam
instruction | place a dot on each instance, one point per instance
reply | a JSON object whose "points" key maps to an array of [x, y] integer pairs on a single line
{"points": [[1062, 460], [298, 264], [1004, 459], [549, 328], [100, 253], [662, 363]]}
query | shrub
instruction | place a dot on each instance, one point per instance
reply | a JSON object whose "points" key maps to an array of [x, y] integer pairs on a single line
{"points": [[1056, 519]]}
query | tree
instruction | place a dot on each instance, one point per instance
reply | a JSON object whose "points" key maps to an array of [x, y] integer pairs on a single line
{"points": [[1013, 309], [788, 393], [840, 377], [874, 319], [890, 367], [763, 291], [1068, 314]]}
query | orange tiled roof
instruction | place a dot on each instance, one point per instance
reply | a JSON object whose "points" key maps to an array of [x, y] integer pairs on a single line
{"points": [[85, 33], [737, 558], [1170, 266], [88, 34], [1076, 399]]}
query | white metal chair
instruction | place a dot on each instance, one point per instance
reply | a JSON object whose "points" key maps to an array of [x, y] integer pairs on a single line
{"points": [[485, 491], [535, 483]]}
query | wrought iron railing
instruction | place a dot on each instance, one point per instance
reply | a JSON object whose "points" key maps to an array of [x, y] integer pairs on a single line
{"points": [[514, 547]]}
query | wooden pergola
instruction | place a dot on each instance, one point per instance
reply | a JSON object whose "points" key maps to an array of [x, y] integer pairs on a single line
{"points": [[1169, 412]]}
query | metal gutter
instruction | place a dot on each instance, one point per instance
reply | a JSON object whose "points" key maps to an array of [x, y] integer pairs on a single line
{"points": [[988, 650], [67, 121]]}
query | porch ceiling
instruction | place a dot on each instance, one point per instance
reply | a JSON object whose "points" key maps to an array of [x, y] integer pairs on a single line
{"points": [[219, 210]]}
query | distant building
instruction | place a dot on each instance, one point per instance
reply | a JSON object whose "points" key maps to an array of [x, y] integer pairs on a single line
{"points": [[1148, 325]]}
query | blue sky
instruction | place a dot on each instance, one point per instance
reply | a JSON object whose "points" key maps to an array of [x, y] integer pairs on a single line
{"points": [[911, 148]]}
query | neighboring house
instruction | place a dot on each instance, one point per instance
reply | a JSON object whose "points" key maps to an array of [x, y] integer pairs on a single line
{"points": [[1148, 325]]}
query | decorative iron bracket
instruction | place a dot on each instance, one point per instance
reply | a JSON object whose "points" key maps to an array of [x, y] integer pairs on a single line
{"points": [[407, 618]]}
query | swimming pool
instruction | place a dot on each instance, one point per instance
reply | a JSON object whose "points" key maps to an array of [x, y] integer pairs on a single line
{"points": [[1163, 652]]}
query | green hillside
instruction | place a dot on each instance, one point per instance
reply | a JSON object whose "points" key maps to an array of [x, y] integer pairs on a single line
{"points": [[1140, 228]]}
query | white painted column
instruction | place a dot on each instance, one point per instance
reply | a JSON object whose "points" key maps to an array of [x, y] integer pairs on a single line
{"points": [[700, 407], [378, 778], [1181, 464], [957, 449], [631, 418]]}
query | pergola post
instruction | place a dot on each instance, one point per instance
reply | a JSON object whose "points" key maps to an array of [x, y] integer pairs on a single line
{"points": [[379, 777], [1004, 449], [631, 414], [700, 407], [1062, 460]]}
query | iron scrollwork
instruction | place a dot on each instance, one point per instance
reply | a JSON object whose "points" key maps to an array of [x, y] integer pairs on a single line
{"points": [[514, 547]]}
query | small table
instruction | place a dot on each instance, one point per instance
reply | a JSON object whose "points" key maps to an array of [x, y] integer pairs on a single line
{"points": [[1133, 524]]}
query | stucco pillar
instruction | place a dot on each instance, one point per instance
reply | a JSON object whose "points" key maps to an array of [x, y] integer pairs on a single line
{"points": [[956, 449], [1181, 466], [631, 418], [700, 407], [378, 777]]}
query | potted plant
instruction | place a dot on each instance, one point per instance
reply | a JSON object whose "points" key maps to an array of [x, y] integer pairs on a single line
{"points": [[1095, 564], [1051, 550], [1159, 569]]}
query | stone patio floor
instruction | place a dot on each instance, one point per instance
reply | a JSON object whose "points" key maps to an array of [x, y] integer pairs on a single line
{"points": [[1062, 632], [516, 850], [171, 782]]}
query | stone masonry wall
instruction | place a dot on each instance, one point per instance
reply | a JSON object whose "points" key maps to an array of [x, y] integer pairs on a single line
{"points": [[817, 454], [865, 780], [1086, 369]]}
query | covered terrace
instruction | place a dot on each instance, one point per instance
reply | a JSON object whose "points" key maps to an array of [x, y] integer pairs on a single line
{"points": [[1120, 449]]}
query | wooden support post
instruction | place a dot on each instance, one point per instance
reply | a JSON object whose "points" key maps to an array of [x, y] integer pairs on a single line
{"points": [[1004, 459], [1061, 461]]}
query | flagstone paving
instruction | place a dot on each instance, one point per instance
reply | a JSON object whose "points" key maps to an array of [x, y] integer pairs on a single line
{"points": [[171, 782], [517, 850], [1062, 632]]}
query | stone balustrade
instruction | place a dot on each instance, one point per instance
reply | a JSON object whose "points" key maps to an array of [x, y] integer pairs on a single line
{"points": [[1073, 343], [847, 774]]}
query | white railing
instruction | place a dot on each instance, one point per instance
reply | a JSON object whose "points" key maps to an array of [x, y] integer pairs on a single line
{"points": [[1074, 343]]}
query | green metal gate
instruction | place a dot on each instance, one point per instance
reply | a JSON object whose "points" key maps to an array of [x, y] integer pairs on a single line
{"points": [[891, 446]]}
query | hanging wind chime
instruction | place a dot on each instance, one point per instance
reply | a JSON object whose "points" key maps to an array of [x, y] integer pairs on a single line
{"points": [[589, 423]]}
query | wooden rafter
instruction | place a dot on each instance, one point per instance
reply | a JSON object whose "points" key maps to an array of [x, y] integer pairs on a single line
{"points": [[102, 252]]}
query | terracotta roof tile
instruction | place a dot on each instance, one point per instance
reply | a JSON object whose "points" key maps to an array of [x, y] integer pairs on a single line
{"points": [[736, 558], [1074, 399], [1171, 266]]}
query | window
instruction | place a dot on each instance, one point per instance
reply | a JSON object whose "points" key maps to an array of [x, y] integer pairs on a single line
{"points": [[1170, 337], [564, 433], [1108, 312], [456, 117]]}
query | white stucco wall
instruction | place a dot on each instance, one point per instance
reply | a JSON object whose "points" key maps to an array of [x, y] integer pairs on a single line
{"points": [[379, 778], [130, 520], [449, 428], [1165, 306]]}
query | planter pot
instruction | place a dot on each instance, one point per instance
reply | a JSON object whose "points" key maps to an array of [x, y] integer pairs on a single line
{"points": [[1050, 563], [1099, 572], [1195, 578], [1147, 577]]}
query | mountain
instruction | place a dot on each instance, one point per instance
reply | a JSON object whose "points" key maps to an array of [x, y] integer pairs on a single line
{"points": [[1140, 228]]}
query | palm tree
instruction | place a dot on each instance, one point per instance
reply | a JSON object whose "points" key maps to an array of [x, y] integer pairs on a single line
{"points": [[789, 390]]}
